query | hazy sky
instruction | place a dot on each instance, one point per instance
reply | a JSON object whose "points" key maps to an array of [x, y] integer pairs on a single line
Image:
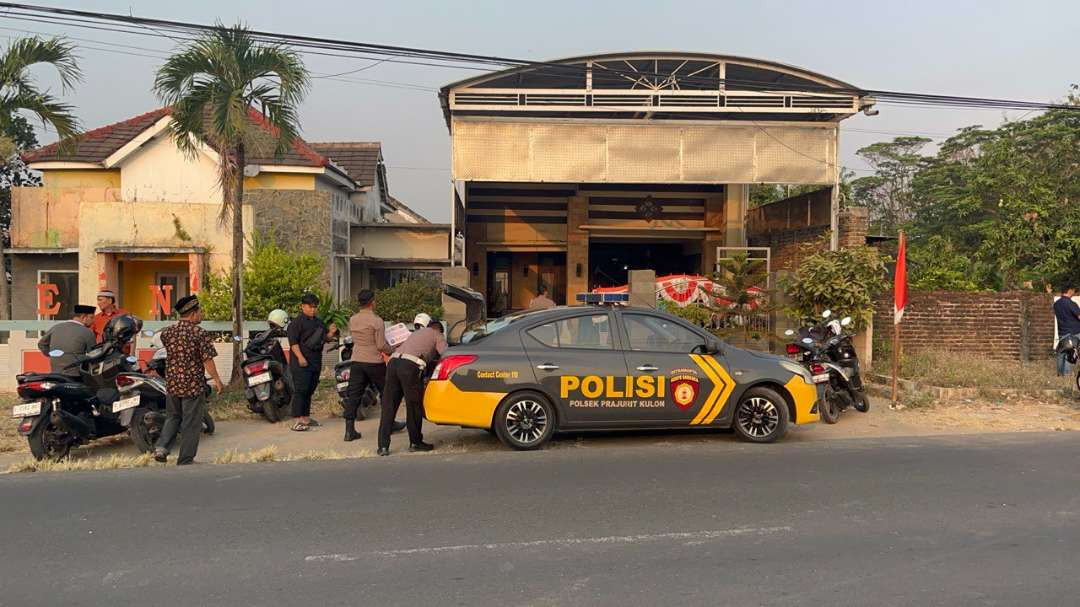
{"points": [[1018, 50]]}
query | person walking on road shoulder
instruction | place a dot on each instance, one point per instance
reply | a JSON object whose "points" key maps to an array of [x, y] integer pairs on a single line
{"points": [[191, 357], [368, 367], [404, 377], [72, 337], [307, 339], [542, 301], [1067, 314]]}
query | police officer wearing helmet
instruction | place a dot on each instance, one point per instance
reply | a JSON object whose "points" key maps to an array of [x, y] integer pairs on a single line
{"points": [[405, 377]]}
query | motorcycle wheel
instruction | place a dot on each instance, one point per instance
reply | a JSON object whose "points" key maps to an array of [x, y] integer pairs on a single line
{"points": [[829, 410], [208, 424], [862, 402], [140, 433], [49, 442], [270, 411]]}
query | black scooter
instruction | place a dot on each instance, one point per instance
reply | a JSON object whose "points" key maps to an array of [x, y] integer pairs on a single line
{"points": [[830, 355], [60, 412], [268, 385], [150, 417], [342, 372]]}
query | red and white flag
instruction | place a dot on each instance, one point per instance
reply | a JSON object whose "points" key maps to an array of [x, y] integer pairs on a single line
{"points": [[900, 296]]}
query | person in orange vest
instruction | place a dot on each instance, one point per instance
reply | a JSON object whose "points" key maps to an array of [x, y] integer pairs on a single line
{"points": [[106, 301]]}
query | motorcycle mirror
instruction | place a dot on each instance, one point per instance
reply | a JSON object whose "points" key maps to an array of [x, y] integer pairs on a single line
{"points": [[148, 333], [845, 321], [789, 332], [237, 338], [56, 353], [807, 340], [826, 314], [131, 360]]}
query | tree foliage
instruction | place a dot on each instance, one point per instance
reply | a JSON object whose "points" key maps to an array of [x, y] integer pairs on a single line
{"points": [[887, 194], [844, 281], [403, 301]]}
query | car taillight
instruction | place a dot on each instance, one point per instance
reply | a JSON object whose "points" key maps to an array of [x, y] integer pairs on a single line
{"points": [[124, 381], [448, 365], [793, 349], [256, 367]]}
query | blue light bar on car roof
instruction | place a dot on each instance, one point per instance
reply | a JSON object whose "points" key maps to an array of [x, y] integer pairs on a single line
{"points": [[603, 298]]}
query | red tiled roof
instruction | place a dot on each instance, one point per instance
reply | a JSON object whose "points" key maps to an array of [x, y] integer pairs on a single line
{"points": [[97, 145], [359, 159]]}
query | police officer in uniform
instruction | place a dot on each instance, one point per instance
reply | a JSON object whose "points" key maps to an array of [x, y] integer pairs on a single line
{"points": [[368, 369], [72, 337], [404, 377]]}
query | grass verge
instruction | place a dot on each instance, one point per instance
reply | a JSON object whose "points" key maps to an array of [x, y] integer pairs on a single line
{"points": [[952, 370]]}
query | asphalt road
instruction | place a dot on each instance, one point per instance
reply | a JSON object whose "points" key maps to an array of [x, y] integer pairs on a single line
{"points": [[928, 521]]}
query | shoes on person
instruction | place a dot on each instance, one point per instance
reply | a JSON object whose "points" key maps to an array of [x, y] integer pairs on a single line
{"points": [[313, 423], [161, 455], [351, 435], [384, 451], [397, 426], [421, 446]]}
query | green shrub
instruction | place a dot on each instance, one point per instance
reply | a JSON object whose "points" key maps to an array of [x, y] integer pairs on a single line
{"points": [[408, 298], [695, 312], [843, 281]]}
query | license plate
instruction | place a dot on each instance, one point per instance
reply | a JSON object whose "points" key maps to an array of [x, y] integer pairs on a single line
{"points": [[342, 385], [26, 410], [821, 379], [261, 378], [126, 403]]}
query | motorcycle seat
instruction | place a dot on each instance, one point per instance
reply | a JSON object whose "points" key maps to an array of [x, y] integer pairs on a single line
{"points": [[26, 377]]}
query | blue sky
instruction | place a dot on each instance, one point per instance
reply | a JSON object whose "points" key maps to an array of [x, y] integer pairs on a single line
{"points": [[1011, 50]]}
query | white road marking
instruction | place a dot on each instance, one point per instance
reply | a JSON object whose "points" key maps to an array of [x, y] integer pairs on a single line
{"points": [[686, 536]]}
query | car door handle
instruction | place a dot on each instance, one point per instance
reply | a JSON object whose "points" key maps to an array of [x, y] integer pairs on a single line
{"points": [[547, 367], [649, 368]]}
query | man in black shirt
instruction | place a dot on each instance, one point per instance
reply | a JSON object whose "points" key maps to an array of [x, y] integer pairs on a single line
{"points": [[1068, 321], [307, 338]]}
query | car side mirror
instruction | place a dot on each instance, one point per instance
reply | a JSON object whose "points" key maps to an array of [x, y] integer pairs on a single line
{"points": [[711, 346]]}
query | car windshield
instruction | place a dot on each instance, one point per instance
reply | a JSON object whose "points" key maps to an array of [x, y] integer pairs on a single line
{"points": [[492, 326]]}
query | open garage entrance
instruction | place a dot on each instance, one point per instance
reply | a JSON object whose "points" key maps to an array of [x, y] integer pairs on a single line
{"points": [[610, 261]]}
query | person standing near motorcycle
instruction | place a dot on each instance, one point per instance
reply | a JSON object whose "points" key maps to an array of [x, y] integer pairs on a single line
{"points": [[307, 338], [1067, 314], [191, 357], [369, 344], [72, 337], [106, 301], [405, 377]]}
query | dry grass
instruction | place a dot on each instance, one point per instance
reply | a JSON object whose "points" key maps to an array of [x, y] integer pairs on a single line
{"points": [[951, 370], [111, 462], [233, 456], [232, 405]]}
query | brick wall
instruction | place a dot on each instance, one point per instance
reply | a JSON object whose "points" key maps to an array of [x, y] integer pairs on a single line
{"points": [[1016, 325]]}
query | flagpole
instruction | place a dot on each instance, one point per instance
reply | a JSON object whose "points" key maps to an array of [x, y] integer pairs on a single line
{"points": [[900, 300], [895, 359]]}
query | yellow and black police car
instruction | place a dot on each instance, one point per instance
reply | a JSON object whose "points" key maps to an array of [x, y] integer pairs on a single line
{"points": [[529, 375]]}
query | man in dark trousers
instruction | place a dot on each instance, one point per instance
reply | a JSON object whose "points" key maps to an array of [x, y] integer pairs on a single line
{"points": [[191, 357], [72, 337], [307, 339], [404, 377], [1068, 322], [368, 368]]}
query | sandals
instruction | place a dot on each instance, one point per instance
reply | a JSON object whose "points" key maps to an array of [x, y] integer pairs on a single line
{"points": [[313, 423], [300, 427]]}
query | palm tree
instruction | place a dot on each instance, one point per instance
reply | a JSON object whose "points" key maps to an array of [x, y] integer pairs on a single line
{"points": [[213, 84], [19, 95]]}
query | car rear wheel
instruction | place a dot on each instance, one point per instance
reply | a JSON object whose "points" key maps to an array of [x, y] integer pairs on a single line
{"points": [[762, 416], [525, 421]]}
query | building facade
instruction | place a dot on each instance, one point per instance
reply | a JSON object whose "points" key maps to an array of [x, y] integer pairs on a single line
{"points": [[571, 173], [124, 209]]}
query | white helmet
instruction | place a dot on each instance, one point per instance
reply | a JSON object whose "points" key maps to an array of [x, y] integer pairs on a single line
{"points": [[278, 317], [422, 320]]}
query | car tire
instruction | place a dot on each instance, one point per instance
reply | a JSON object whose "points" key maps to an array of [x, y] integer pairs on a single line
{"points": [[829, 409], [525, 421], [761, 416]]}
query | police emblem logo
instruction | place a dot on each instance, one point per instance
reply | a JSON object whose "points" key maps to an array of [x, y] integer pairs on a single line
{"points": [[684, 387]]}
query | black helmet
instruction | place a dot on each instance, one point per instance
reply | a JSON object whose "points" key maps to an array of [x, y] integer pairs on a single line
{"points": [[1067, 343], [122, 328]]}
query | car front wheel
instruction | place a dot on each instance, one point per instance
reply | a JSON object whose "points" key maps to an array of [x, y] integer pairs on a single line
{"points": [[525, 421], [762, 416]]}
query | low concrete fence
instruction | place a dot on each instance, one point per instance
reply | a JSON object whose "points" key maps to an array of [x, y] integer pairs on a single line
{"points": [[21, 355]]}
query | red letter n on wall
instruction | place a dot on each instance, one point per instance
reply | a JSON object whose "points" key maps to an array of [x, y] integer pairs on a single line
{"points": [[162, 296]]}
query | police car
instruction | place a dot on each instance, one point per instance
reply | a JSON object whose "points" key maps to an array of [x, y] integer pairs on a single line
{"points": [[609, 367]]}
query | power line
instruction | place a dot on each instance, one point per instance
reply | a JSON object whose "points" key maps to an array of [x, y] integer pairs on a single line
{"points": [[435, 58]]}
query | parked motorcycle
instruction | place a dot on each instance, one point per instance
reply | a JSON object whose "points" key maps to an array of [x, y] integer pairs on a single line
{"points": [[269, 388], [342, 372], [60, 412], [830, 355], [150, 417], [1070, 347]]}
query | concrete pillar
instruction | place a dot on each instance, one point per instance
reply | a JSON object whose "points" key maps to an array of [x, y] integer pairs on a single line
{"points": [[108, 273], [196, 272], [737, 200], [476, 259], [577, 247], [642, 288], [714, 218]]}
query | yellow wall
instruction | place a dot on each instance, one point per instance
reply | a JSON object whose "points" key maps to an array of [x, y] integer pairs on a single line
{"points": [[136, 278], [403, 243], [81, 178], [280, 181]]}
